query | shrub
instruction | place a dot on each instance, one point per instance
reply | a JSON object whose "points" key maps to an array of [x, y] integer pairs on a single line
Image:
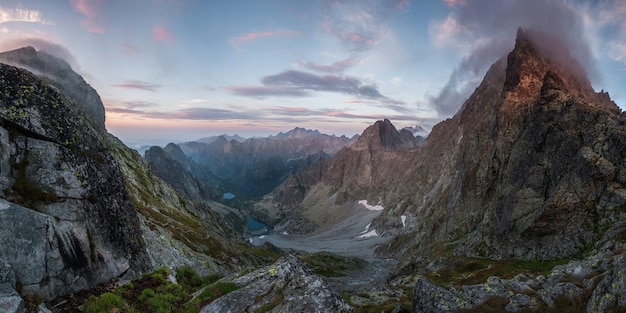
{"points": [[107, 302]]}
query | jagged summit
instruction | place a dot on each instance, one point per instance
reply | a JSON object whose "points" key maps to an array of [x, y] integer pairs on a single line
{"points": [[383, 134], [60, 74], [298, 132], [541, 65]]}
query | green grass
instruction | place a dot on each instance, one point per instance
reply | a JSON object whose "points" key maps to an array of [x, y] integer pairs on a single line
{"points": [[154, 293]]}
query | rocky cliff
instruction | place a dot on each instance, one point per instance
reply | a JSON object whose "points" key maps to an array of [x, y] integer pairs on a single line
{"points": [[67, 222]]}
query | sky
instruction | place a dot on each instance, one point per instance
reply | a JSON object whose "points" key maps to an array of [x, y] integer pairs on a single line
{"points": [[179, 70]]}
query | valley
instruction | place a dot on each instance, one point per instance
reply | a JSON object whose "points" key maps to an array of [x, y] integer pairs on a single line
{"points": [[516, 203]]}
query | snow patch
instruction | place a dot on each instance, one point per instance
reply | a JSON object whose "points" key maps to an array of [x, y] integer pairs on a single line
{"points": [[371, 207], [403, 219], [262, 237], [371, 233], [285, 233], [367, 228]]}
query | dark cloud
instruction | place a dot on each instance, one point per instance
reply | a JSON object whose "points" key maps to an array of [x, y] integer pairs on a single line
{"points": [[264, 91], [330, 83], [138, 85], [333, 68], [494, 24]]}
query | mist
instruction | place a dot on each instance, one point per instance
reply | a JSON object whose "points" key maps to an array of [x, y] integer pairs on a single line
{"points": [[487, 29]]}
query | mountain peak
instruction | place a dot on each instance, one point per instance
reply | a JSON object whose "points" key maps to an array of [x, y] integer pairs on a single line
{"points": [[541, 65], [299, 132], [384, 134]]}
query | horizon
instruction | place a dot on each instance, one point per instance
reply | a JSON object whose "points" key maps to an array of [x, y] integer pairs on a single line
{"points": [[176, 71]]}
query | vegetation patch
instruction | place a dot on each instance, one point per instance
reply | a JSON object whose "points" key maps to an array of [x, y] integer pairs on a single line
{"points": [[470, 271], [155, 293]]}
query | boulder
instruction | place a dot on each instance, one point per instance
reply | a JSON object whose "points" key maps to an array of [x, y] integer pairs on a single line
{"points": [[285, 286]]}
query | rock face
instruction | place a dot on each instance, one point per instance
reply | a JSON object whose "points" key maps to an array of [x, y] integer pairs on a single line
{"points": [[66, 221], [285, 286], [254, 167], [59, 74]]}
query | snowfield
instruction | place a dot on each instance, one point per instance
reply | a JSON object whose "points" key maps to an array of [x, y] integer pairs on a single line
{"points": [[371, 233], [371, 207]]}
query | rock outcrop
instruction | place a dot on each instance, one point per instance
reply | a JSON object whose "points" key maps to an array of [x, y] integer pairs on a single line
{"points": [[59, 74], [594, 284], [285, 286], [66, 221]]}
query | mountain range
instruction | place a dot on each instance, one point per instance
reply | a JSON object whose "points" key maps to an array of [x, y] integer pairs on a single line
{"points": [[516, 203]]}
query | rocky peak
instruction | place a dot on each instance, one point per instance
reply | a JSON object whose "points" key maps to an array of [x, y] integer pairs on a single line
{"points": [[541, 65], [299, 132], [383, 134], [60, 74]]}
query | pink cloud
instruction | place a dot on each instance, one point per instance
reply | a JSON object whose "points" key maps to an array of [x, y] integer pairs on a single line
{"points": [[161, 34], [89, 9], [454, 3], [138, 85], [402, 4], [336, 67], [238, 41]]}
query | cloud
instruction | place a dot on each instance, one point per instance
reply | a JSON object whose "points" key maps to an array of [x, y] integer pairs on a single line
{"points": [[336, 67], [89, 9], [41, 45], [331, 83], [161, 34], [138, 85], [22, 15], [240, 40], [292, 83], [359, 25], [485, 30], [454, 3], [606, 20], [264, 91]]}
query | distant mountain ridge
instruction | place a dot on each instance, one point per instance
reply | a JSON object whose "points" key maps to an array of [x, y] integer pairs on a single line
{"points": [[254, 167], [210, 139]]}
